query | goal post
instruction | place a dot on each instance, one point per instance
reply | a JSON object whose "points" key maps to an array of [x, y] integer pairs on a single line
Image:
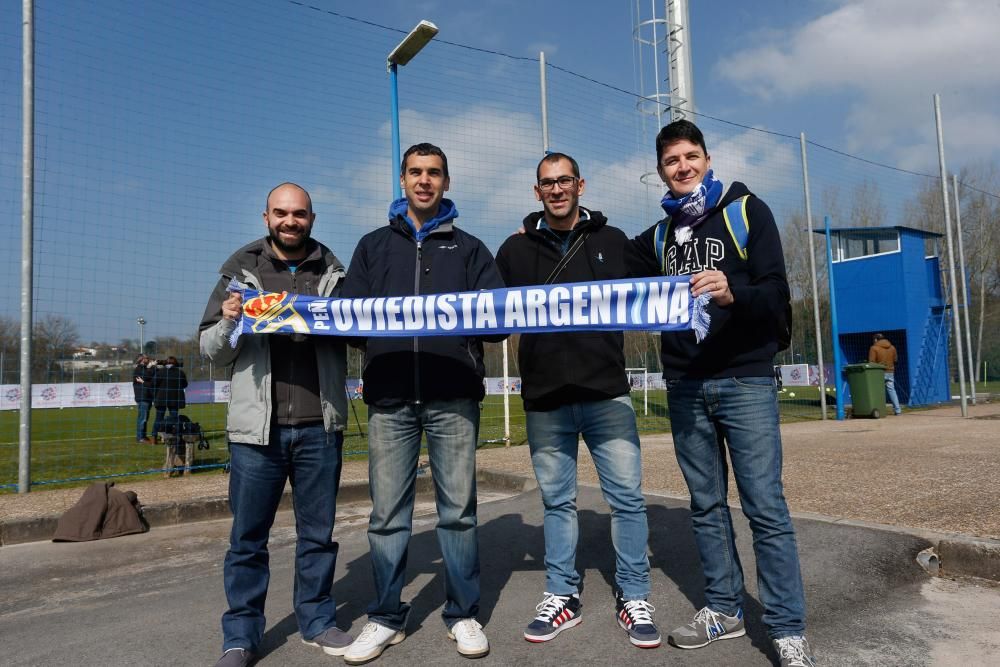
{"points": [[634, 375]]}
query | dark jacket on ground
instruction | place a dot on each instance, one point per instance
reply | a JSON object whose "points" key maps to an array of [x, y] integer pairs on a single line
{"points": [[143, 390], [103, 511], [391, 262], [743, 337], [169, 383], [562, 368]]}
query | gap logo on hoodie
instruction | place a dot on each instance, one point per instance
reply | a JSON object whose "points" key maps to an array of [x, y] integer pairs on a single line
{"points": [[694, 256]]}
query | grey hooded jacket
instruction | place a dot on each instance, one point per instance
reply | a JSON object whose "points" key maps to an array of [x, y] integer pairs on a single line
{"points": [[251, 401]]}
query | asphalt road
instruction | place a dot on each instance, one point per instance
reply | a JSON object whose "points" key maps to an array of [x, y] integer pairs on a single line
{"points": [[155, 599]]}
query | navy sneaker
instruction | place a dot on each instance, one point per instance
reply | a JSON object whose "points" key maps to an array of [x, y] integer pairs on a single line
{"points": [[636, 618], [555, 614]]}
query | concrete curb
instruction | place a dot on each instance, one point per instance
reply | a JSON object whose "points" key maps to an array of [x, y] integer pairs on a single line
{"points": [[37, 529], [958, 555]]}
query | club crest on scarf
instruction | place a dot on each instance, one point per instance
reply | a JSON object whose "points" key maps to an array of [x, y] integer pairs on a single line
{"points": [[275, 312]]}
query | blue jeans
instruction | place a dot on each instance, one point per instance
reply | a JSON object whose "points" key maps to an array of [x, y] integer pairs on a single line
{"points": [[160, 422], [311, 458], [706, 416], [608, 428], [141, 420], [890, 391], [452, 431]]}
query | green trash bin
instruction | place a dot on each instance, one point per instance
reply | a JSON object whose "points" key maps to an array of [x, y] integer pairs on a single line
{"points": [[867, 383]]}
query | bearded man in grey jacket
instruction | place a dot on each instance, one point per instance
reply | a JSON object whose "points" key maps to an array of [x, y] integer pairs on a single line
{"points": [[285, 421]]}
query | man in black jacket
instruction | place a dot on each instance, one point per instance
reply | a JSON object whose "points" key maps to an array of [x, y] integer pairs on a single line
{"points": [[142, 387], [722, 393], [169, 383], [575, 384], [427, 386]]}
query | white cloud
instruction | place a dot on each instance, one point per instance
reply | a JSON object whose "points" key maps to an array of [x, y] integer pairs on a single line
{"points": [[894, 54]]}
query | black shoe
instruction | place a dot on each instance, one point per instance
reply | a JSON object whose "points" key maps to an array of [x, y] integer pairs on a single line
{"points": [[555, 614], [236, 657], [636, 618], [333, 641]]}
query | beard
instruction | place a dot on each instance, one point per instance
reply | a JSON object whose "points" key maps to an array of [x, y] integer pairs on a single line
{"points": [[288, 247]]}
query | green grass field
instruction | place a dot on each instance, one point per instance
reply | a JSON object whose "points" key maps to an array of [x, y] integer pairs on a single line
{"points": [[72, 446]]}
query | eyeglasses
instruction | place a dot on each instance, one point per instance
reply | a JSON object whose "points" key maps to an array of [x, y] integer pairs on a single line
{"points": [[565, 183]]}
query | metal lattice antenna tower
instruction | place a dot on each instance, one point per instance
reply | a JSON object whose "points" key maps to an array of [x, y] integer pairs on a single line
{"points": [[662, 57]]}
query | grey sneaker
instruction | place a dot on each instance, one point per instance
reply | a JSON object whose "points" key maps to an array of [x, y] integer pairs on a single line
{"points": [[794, 651], [707, 627], [333, 641], [236, 657]]}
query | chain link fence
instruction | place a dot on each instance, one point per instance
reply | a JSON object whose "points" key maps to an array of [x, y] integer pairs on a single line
{"points": [[158, 136]]}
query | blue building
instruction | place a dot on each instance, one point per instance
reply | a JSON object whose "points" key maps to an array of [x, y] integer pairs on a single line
{"points": [[888, 280]]}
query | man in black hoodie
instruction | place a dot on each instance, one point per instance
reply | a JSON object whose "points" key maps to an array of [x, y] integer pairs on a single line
{"points": [[722, 393], [573, 384], [426, 386]]}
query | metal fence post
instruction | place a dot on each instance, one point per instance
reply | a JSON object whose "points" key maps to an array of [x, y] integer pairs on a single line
{"points": [[27, 240], [965, 288], [812, 272], [956, 321]]}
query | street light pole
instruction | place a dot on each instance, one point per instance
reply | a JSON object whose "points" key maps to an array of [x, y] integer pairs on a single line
{"points": [[142, 341], [402, 54]]}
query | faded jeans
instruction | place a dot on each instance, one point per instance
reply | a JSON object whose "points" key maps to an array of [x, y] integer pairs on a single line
{"points": [[890, 391], [452, 431], [709, 418], [608, 429]]}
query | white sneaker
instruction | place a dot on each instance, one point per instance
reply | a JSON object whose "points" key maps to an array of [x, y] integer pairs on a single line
{"points": [[468, 635], [374, 639]]}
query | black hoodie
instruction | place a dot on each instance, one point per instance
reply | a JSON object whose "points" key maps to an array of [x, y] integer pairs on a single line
{"points": [[562, 368], [744, 336]]}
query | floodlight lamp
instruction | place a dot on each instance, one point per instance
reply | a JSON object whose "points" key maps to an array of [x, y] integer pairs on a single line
{"points": [[411, 45]]}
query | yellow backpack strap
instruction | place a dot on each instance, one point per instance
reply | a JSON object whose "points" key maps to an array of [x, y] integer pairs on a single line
{"points": [[738, 223]]}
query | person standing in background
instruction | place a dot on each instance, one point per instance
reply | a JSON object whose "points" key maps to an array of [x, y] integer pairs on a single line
{"points": [[883, 352], [142, 387]]}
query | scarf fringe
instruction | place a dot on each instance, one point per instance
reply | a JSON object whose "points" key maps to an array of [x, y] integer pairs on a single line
{"points": [[700, 319]]}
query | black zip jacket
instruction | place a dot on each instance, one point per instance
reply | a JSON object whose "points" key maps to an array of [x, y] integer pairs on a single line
{"points": [[562, 368], [743, 337], [390, 262]]}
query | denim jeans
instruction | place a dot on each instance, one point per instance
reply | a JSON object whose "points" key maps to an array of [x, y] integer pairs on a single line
{"points": [[706, 417], [452, 431], [608, 428], [160, 422], [311, 458], [141, 420], [890, 391]]}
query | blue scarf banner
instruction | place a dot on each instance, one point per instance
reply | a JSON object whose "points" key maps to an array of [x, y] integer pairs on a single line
{"points": [[661, 304]]}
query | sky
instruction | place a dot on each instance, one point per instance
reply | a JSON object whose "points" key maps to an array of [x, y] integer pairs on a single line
{"points": [[161, 126]]}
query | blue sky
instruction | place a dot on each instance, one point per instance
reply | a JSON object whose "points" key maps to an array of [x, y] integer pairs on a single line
{"points": [[162, 125]]}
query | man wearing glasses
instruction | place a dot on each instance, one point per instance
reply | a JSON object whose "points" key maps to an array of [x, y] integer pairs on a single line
{"points": [[575, 384]]}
